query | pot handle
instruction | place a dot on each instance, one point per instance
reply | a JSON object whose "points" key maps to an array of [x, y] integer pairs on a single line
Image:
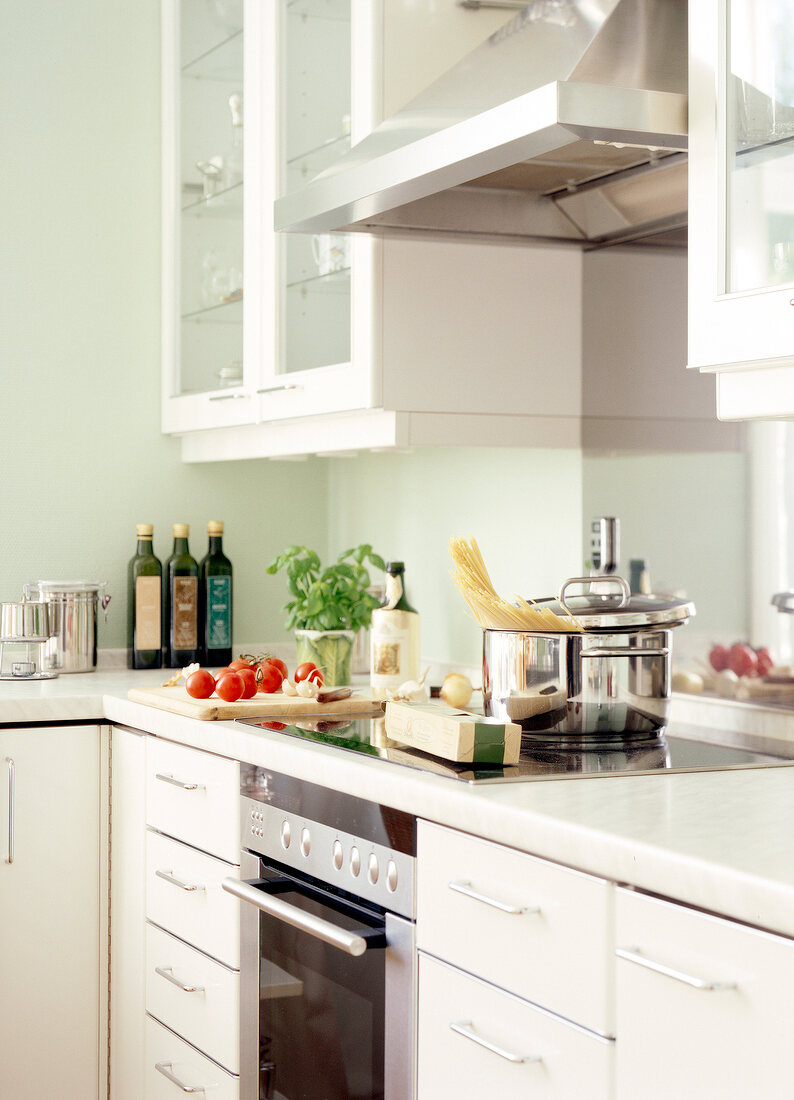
{"points": [[625, 651], [614, 579]]}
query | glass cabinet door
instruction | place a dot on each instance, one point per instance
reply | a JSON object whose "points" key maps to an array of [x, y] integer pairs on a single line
{"points": [[759, 145], [205, 86]]}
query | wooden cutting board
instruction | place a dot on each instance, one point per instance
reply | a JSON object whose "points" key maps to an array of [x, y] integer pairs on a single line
{"points": [[177, 701]]}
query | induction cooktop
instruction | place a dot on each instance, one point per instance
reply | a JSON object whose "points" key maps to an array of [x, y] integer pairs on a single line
{"points": [[677, 749]]}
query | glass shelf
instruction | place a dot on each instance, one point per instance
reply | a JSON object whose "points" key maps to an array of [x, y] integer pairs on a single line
{"points": [[323, 9], [336, 282], [313, 161], [222, 313], [224, 204], [222, 62]]}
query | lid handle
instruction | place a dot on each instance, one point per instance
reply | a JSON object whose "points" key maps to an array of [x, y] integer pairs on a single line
{"points": [[602, 582]]}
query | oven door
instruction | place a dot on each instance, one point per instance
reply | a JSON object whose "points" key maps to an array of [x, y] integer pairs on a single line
{"points": [[327, 992]]}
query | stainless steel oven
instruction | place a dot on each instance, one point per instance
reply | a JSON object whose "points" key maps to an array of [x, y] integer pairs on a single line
{"points": [[327, 968]]}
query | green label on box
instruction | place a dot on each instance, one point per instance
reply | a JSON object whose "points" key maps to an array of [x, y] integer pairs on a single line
{"points": [[219, 612]]}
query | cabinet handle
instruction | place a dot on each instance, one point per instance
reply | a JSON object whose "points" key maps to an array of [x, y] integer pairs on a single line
{"points": [[634, 955], [229, 397], [10, 762], [280, 386], [167, 972], [169, 877], [180, 783], [465, 1029], [468, 891], [166, 1067], [493, 5]]}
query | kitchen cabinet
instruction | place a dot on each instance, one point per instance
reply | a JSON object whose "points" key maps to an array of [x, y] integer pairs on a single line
{"points": [[53, 952], [741, 221], [703, 1004], [515, 986]]}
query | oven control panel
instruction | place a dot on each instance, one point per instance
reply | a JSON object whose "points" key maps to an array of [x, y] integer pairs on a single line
{"points": [[369, 870]]}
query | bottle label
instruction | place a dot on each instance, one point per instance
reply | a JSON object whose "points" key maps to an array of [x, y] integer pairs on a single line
{"points": [[185, 613], [147, 613], [394, 648], [219, 612]]}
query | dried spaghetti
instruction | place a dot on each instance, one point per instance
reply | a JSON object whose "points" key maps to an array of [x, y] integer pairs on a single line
{"points": [[489, 609]]}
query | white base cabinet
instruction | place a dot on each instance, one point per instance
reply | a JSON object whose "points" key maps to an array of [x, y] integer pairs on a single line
{"points": [[704, 1005], [53, 938]]}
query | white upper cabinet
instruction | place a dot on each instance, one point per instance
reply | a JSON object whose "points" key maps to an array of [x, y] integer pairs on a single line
{"points": [[741, 196]]}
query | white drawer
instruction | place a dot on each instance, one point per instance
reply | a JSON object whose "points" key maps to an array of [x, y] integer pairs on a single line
{"points": [[735, 1039], [571, 1063], [189, 1071], [555, 944], [195, 996], [194, 796], [184, 896]]}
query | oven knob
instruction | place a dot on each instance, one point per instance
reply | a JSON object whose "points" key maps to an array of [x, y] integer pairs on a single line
{"points": [[286, 834], [391, 876], [306, 842], [355, 862], [339, 855], [373, 870]]}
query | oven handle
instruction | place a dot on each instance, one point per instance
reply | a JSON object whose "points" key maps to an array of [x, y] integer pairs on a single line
{"points": [[258, 893]]}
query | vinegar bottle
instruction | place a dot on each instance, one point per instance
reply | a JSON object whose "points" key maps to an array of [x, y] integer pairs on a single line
{"points": [[394, 636], [215, 600], [144, 604], [181, 603]]}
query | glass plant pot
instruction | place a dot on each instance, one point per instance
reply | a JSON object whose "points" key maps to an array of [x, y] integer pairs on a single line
{"points": [[330, 650]]}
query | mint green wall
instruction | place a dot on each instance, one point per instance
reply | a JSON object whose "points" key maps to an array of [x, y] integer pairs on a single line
{"points": [[82, 455]]}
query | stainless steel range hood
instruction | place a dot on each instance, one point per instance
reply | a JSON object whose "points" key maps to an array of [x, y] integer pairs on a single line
{"points": [[569, 124]]}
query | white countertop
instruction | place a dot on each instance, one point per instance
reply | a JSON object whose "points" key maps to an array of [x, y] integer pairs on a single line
{"points": [[723, 841]]}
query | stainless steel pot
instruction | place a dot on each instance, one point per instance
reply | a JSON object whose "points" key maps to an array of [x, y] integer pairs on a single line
{"points": [[73, 609], [610, 680]]}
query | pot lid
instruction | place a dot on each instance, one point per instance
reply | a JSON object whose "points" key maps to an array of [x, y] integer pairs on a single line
{"points": [[62, 587], [608, 603]]}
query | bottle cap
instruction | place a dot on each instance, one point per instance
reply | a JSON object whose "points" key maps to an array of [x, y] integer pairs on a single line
{"points": [[395, 567], [215, 527], [144, 530], [181, 530]]}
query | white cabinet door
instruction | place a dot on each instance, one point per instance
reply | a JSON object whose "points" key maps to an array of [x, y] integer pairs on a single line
{"points": [[50, 914], [741, 223], [703, 1005], [127, 913]]}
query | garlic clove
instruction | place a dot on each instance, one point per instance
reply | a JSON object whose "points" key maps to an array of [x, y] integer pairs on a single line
{"points": [[288, 688]]}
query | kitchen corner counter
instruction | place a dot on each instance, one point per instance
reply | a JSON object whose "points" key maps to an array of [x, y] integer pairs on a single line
{"points": [[722, 841]]}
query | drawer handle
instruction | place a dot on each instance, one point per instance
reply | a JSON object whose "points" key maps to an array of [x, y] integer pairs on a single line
{"points": [[179, 783], [10, 762], [634, 955], [166, 1067], [167, 972], [465, 1029], [468, 891], [170, 877]]}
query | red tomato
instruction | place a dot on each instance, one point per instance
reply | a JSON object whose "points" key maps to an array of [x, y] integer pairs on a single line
{"points": [[235, 666], [309, 671], [718, 657], [765, 662], [230, 687], [200, 684], [222, 672], [280, 665], [742, 660], [268, 677], [273, 725], [248, 676]]}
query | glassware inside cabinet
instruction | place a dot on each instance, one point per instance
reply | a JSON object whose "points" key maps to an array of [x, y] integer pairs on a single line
{"points": [[315, 104], [759, 161], [209, 167]]}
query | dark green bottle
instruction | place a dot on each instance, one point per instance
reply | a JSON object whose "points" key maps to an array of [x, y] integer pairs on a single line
{"points": [[144, 604], [181, 602], [215, 600]]}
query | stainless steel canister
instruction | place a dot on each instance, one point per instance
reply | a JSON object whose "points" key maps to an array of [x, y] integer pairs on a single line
{"points": [[73, 620], [609, 680], [27, 621]]}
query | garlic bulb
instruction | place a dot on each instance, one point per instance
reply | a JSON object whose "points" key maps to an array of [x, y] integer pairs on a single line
{"points": [[412, 691], [288, 688], [307, 689], [456, 690]]}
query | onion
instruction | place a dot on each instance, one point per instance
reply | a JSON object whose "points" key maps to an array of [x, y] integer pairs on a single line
{"points": [[456, 690]]}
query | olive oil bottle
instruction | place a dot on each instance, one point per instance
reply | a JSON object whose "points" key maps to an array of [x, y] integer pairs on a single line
{"points": [[181, 600], [215, 600], [394, 636], [144, 604]]}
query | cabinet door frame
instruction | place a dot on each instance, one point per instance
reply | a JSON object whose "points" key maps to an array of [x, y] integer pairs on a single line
{"points": [[344, 386], [740, 332], [236, 405]]}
